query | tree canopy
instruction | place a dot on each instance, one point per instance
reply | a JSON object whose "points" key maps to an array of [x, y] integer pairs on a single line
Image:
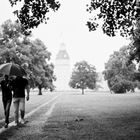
{"points": [[33, 12], [135, 44], [83, 76], [116, 16], [119, 73], [31, 54], [41, 71]]}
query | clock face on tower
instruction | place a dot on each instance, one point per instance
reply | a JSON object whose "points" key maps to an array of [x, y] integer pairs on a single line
{"points": [[62, 54]]}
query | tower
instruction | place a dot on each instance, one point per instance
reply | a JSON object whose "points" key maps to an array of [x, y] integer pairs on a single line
{"points": [[62, 68]]}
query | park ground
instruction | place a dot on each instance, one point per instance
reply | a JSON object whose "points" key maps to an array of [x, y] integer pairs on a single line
{"points": [[73, 116]]}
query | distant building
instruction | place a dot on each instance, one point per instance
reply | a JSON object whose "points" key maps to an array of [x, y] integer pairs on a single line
{"points": [[102, 83], [62, 69]]}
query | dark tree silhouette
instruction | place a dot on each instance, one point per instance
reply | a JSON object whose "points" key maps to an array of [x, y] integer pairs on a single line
{"points": [[33, 12], [116, 15]]}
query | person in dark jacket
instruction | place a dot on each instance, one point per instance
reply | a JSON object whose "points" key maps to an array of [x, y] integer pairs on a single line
{"points": [[19, 85], [6, 97]]}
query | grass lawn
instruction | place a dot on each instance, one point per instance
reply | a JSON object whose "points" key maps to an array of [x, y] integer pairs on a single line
{"points": [[95, 116]]}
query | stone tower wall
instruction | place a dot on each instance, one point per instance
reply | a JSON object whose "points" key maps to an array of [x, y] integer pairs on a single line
{"points": [[62, 70]]}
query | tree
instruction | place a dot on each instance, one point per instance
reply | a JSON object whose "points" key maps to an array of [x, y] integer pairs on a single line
{"points": [[9, 42], [116, 15], [83, 76], [119, 73], [135, 44], [33, 12], [31, 54], [42, 71]]}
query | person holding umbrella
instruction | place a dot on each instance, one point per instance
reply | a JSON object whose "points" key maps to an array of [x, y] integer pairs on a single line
{"points": [[19, 84], [6, 97]]}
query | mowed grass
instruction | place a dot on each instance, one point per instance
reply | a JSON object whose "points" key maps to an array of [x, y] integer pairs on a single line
{"points": [[95, 116]]}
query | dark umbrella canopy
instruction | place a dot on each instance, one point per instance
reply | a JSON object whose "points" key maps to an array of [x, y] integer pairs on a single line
{"points": [[12, 69]]}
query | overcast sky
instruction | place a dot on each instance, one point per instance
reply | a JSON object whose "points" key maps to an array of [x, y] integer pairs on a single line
{"points": [[67, 25]]}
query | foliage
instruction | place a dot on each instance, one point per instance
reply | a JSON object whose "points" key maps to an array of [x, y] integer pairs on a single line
{"points": [[115, 15], [83, 76], [9, 41], [135, 44], [119, 73], [33, 12], [42, 71], [31, 54]]}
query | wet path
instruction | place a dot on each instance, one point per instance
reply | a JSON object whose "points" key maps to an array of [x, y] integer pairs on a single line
{"points": [[32, 130], [37, 111]]}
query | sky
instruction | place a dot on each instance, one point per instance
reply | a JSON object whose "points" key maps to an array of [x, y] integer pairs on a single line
{"points": [[68, 25]]}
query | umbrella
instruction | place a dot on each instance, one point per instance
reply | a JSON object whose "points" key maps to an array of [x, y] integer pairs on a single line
{"points": [[12, 69]]}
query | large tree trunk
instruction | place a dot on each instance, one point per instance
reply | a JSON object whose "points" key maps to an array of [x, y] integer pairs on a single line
{"points": [[82, 91], [40, 90]]}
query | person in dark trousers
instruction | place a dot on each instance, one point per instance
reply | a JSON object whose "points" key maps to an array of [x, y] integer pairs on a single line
{"points": [[6, 97], [19, 84]]}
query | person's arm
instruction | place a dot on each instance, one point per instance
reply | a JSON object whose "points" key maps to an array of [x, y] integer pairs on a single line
{"points": [[28, 92]]}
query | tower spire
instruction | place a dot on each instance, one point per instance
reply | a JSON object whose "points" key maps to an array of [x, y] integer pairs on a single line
{"points": [[62, 54]]}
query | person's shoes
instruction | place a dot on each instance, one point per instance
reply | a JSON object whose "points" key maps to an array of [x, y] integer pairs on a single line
{"points": [[22, 121], [16, 124], [6, 125]]}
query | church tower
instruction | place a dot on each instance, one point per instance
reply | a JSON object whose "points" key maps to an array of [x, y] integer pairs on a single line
{"points": [[62, 69]]}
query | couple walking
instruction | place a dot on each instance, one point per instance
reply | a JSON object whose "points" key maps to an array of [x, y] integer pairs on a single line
{"points": [[13, 88]]}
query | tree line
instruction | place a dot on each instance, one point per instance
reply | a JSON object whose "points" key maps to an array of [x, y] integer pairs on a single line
{"points": [[122, 71], [117, 16], [31, 54], [121, 75], [123, 18]]}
